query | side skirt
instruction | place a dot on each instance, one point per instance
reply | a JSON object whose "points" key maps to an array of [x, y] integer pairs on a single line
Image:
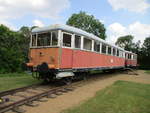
{"points": [[90, 69]]}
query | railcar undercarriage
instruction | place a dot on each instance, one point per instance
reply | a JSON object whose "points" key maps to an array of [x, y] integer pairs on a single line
{"points": [[65, 75]]}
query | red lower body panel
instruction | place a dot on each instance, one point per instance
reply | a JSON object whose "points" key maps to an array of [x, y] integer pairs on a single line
{"points": [[131, 62], [85, 59]]}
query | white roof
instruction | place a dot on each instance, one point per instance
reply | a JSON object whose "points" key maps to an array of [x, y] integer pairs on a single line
{"points": [[73, 30]]}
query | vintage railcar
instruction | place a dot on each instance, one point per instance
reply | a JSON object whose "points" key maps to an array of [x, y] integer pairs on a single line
{"points": [[62, 51], [131, 59]]}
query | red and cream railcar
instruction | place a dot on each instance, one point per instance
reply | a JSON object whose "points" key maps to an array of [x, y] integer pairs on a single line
{"points": [[131, 59], [59, 51]]}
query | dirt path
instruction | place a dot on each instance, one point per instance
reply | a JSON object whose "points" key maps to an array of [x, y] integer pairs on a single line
{"points": [[83, 93]]}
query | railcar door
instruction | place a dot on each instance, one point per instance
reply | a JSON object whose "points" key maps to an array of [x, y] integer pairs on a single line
{"points": [[67, 51]]}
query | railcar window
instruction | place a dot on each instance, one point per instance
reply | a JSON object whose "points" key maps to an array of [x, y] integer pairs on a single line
{"points": [[87, 44], [44, 39], [109, 50], [134, 57], [54, 38], [77, 41], [126, 55], [104, 48], [129, 56], [66, 40], [33, 40], [120, 53], [114, 51], [96, 46], [117, 52]]}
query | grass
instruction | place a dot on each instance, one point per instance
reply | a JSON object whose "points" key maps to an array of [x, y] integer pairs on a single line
{"points": [[147, 71], [121, 97], [16, 80]]}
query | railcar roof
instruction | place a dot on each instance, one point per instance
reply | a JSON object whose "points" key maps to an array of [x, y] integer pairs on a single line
{"points": [[73, 30]]}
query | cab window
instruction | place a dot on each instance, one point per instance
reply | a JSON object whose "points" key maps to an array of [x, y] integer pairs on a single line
{"points": [[44, 39], [34, 40], [54, 38]]}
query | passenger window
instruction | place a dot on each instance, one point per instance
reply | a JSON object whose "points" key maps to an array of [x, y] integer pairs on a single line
{"points": [[34, 40], [117, 52], [54, 38], [120, 53], [87, 44], [44, 39], [96, 46], [109, 50], [104, 48], [114, 51], [67, 40], [126, 56], [77, 41], [134, 57], [129, 56]]}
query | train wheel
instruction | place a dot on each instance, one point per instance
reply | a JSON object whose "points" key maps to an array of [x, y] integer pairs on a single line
{"points": [[85, 75], [67, 81]]}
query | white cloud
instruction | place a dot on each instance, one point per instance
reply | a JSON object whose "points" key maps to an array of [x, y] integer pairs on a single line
{"points": [[38, 23], [139, 6], [42, 8], [138, 30]]}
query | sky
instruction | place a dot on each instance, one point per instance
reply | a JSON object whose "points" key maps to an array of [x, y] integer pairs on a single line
{"points": [[120, 17]]}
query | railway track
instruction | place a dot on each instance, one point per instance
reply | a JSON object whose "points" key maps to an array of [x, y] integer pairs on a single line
{"points": [[12, 91], [13, 99]]}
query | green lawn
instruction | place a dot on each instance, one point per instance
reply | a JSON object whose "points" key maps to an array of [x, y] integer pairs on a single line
{"points": [[147, 71], [121, 97], [11, 81]]}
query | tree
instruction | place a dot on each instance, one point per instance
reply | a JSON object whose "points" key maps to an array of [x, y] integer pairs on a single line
{"points": [[145, 54], [26, 32], [135, 48], [11, 56], [87, 23], [125, 42]]}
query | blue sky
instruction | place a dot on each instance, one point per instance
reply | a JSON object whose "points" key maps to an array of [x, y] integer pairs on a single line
{"points": [[120, 17]]}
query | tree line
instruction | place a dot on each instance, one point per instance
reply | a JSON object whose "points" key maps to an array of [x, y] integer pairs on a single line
{"points": [[14, 45]]}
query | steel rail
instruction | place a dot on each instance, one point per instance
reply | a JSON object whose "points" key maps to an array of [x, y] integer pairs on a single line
{"points": [[31, 99], [12, 91]]}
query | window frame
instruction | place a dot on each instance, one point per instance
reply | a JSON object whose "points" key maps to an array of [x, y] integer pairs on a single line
{"points": [[99, 43], [52, 38], [91, 43], [102, 48], [58, 37], [62, 38], [109, 47], [113, 51], [37, 39], [80, 37]]}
